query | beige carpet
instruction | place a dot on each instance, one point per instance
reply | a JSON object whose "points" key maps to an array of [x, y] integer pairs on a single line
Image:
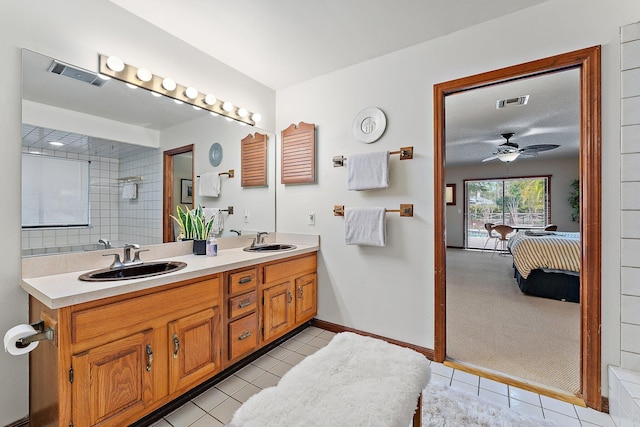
{"points": [[493, 325]]}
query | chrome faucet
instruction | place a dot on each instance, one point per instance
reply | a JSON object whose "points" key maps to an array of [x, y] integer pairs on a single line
{"points": [[106, 243], [127, 254], [260, 237]]}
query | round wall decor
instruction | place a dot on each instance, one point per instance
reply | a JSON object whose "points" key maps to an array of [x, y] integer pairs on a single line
{"points": [[215, 154], [369, 125]]}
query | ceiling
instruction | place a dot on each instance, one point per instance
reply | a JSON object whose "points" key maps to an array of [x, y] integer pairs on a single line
{"points": [[330, 35], [301, 40]]}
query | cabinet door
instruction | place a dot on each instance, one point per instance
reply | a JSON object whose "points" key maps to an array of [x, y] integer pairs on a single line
{"points": [[278, 310], [306, 298], [113, 382], [194, 343]]}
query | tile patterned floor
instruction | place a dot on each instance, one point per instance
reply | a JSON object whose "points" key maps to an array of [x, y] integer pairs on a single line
{"points": [[216, 406]]}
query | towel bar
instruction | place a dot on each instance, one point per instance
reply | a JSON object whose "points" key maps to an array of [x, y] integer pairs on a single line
{"points": [[405, 210], [231, 173], [229, 209], [406, 153]]}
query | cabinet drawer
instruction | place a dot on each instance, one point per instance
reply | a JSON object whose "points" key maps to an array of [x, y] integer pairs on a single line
{"points": [[97, 321], [242, 281], [243, 336], [284, 269], [242, 304]]}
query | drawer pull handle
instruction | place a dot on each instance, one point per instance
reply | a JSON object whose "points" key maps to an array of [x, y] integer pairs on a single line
{"points": [[245, 279], [244, 303], [244, 335], [299, 292], [149, 357], [176, 346], [290, 296]]}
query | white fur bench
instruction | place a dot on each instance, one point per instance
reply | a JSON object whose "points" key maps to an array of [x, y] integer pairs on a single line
{"points": [[353, 381]]}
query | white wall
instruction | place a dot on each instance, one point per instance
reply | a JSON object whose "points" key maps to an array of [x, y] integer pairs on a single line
{"points": [[76, 32], [562, 172], [258, 201], [389, 291]]}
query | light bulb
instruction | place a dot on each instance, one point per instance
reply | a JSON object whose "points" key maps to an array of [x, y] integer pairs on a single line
{"points": [[210, 99], [508, 157], [169, 84], [191, 92], [227, 106], [242, 112], [114, 63], [256, 117], [144, 75]]}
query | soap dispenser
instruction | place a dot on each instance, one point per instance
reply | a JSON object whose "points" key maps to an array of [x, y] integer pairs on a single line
{"points": [[212, 245]]}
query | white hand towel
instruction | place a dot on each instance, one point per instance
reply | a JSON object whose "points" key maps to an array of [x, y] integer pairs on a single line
{"points": [[209, 185], [216, 228], [368, 171], [129, 190], [365, 226]]}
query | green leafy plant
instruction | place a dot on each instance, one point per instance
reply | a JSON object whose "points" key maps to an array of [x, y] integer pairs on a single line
{"points": [[574, 200], [193, 223]]}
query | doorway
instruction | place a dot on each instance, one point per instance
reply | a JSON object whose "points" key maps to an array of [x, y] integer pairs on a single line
{"points": [[172, 176], [587, 61]]}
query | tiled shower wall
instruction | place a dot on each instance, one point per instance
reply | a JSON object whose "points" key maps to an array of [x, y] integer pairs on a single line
{"points": [[104, 213], [113, 218], [141, 218], [624, 382]]}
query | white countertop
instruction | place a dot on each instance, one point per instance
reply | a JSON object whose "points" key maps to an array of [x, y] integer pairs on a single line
{"points": [[62, 290]]}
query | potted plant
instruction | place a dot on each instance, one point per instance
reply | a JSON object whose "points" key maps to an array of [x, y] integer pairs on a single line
{"points": [[194, 226]]}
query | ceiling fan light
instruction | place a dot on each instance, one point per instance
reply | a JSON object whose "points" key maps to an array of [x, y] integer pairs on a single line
{"points": [[508, 157]]}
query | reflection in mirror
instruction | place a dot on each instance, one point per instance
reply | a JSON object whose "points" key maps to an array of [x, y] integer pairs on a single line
{"points": [[123, 132]]}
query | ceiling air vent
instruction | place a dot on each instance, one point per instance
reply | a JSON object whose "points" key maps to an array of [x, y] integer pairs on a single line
{"points": [[503, 103], [67, 70]]}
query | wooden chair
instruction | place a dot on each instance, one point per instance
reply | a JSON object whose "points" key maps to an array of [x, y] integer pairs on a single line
{"points": [[551, 227], [503, 230], [489, 227]]}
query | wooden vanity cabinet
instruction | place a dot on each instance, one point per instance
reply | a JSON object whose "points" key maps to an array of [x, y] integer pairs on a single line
{"points": [[289, 295], [117, 359], [241, 316]]}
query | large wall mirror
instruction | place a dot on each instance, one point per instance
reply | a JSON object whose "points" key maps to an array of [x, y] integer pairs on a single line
{"points": [[122, 133]]}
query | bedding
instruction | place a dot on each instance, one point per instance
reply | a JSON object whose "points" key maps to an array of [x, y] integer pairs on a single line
{"points": [[551, 251], [547, 264]]}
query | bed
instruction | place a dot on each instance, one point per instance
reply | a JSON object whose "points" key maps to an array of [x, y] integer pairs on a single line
{"points": [[547, 264]]}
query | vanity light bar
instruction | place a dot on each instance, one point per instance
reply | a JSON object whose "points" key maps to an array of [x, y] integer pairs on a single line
{"points": [[189, 95]]}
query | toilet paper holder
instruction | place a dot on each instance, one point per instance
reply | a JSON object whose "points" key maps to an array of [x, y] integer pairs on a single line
{"points": [[43, 334]]}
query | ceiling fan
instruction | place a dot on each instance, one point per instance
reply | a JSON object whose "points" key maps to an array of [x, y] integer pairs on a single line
{"points": [[509, 151]]}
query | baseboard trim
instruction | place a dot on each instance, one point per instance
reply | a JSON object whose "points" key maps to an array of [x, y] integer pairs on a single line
{"points": [[24, 422], [334, 327]]}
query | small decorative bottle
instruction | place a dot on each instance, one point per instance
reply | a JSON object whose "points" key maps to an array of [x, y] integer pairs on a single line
{"points": [[212, 245]]}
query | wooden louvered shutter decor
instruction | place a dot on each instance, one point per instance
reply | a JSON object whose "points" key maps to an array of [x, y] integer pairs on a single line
{"points": [[299, 154], [253, 152]]}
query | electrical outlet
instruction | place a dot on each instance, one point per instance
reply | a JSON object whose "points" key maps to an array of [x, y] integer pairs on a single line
{"points": [[312, 217], [246, 215]]}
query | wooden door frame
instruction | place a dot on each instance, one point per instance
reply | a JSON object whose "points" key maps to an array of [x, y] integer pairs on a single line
{"points": [[588, 62], [168, 198]]}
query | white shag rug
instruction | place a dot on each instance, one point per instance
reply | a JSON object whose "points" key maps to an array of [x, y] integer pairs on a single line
{"points": [[443, 406], [353, 381]]}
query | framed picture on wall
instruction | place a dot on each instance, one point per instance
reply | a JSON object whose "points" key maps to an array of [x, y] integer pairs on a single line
{"points": [[450, 194], [186, 192]]}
